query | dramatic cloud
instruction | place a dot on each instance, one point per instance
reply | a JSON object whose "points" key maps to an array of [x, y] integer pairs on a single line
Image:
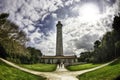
{"points": [[38, 18]]}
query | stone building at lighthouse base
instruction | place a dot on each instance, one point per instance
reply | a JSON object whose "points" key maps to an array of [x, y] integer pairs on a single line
{"points": [[55, 59]]}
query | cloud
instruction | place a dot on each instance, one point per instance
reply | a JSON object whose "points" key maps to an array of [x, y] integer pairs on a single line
{"points": [[79, 34], [38, 18]]}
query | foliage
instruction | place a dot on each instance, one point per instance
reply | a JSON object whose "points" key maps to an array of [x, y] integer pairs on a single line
{"points": [[117, 50], [35, 55], [15, 51], [116, 23], [86, 57], [9, 73], [12, 43], [96, 44], [3, 17]]}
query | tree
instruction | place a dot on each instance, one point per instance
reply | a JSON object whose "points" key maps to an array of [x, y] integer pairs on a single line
{"points": [[117, 49], [11, 30], [11, 40], [3, 18], [4, 15], [12, 43], [108, 48], [116, 23], [3, 53], [35, 55], [96, 44]]}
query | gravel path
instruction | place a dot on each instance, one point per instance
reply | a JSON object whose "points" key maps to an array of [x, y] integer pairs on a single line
{"points": [[59, 74]]}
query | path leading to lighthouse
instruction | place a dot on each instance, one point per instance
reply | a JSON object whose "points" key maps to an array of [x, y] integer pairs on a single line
{"points": [[59, 74]]}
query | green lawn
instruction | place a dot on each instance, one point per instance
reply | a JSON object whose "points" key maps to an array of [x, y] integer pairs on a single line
{"points": [[9, 73], [82, 66], [40, 67], [109, 72]]}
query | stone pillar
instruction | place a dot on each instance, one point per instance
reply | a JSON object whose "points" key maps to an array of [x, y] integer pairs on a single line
{"points": [[46, 61], [59, 42]]}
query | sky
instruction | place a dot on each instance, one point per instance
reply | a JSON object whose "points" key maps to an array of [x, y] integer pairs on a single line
{"points": [[84, 22]]}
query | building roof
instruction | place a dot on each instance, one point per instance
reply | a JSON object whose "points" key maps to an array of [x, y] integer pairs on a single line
{"points": [[58, 57]]}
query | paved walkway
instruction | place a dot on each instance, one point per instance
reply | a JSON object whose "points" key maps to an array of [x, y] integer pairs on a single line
{"points": [[59, 74]]}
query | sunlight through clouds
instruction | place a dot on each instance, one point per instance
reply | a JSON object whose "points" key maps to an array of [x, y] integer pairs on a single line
{"points": [[89, 12]]}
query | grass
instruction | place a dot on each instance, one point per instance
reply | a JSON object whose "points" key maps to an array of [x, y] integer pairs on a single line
{"points": [[9, 73], [82, 66], [109, 72], [40, 67]]}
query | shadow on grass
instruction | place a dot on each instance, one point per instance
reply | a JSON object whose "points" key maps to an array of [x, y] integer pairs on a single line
{"points": [[118, 78], [116, 62]]}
